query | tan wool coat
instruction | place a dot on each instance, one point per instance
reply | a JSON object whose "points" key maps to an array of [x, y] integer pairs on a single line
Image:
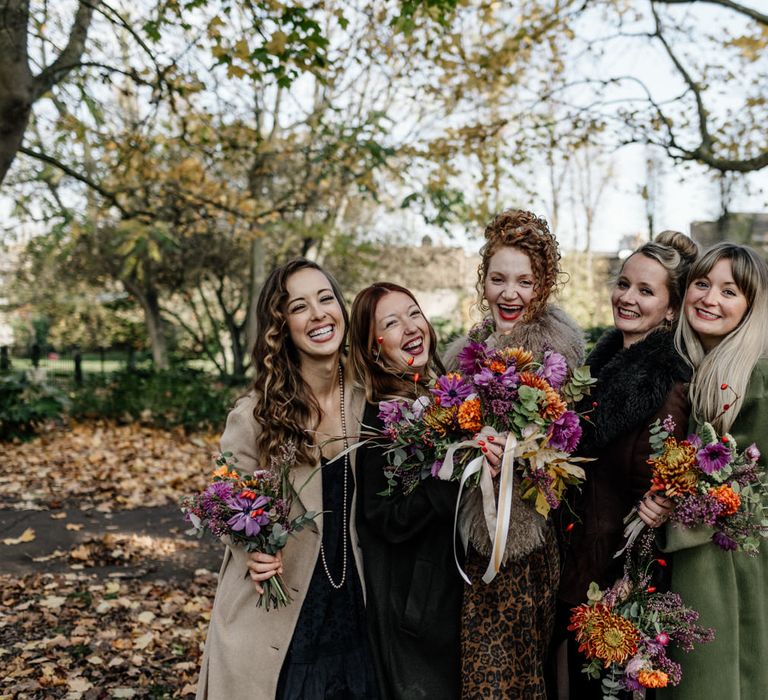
{"points": [[246, 645]]}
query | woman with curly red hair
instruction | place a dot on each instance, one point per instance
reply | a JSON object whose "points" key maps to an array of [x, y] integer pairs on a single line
{"points": [[507, 624], [315, 647]]}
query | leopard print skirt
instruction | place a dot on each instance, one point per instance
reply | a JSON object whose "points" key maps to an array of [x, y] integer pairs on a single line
{"points": [[507, 625]]}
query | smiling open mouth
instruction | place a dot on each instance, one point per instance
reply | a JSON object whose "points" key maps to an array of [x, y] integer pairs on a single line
{"points": [[509, 312], [706, 315], [321, 333], [414, 346], [627, 314]]}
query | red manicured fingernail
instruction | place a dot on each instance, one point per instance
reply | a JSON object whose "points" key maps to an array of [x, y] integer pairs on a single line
{"points": [[723, 387], [491, 438], [481, 443], [484, 449]]}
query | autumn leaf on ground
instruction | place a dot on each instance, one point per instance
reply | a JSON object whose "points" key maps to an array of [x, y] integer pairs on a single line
{"points": [[27, 536]]}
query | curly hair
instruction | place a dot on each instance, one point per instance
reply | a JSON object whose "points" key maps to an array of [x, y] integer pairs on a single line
{"points": [[377, 379], [530, 234], [285, 407]]}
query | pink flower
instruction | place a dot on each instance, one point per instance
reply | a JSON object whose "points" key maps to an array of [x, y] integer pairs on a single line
{"points": [[662, 638]]}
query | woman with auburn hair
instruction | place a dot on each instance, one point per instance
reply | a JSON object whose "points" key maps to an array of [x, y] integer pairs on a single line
{"points": [[507, 624], [723, 333], [315, 647], [640, 378], [413, 587]]}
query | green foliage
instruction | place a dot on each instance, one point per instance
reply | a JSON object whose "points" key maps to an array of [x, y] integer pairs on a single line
{"points": [[26, 403], [183, 397]]}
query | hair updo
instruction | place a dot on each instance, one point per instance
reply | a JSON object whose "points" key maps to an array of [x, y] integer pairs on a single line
{"points": [[530, 234], [676, 253]]}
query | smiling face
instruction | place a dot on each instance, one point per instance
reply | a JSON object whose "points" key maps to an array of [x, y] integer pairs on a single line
{"points": [[640, 298], [404, 332], [313, 315], [508, 287], [714, 305]]}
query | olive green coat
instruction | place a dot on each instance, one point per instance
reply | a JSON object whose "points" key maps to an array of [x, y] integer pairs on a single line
{"points": [[730, 590], [246, 645]]}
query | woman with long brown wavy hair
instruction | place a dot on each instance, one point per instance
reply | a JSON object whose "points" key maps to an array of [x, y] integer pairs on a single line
{"points": [[413, 587], [316, 646]]}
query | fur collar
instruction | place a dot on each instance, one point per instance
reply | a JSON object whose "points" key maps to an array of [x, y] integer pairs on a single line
{"points": [[632, 382], [553, 330]]}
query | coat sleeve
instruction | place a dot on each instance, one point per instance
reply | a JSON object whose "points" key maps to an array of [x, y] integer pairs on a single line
{"points": [[400, 517], [240, 434]]}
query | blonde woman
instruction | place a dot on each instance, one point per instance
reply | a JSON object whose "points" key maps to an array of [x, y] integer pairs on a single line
{"points": [[723, 332]]}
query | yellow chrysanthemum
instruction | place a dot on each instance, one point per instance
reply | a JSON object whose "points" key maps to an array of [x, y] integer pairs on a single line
{"points": [[521, 356], [653, 679], [440, 419], [728, 497], [469, 415], [602, 634], [673, 470]]}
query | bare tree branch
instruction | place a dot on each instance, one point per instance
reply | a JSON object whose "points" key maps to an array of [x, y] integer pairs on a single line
{"points": [[737, 7]]}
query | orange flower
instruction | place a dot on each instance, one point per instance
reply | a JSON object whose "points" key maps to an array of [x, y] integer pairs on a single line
{"points": [[222, 471], [521, 357], [728, 497], [554, 406], [653, 679], [469, 415], [673, 469], [530, 379], [496, 366], [602, 634]]}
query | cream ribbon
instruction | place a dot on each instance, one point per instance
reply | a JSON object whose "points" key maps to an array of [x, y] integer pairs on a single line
{"points": [[496, 516]]}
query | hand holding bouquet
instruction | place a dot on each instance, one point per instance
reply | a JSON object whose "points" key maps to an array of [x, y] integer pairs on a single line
{"points": [[710, 482], [627, 630], [253, 510]]}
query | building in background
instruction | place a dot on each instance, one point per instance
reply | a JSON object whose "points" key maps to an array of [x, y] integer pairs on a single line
{"points": [[748, 228]]}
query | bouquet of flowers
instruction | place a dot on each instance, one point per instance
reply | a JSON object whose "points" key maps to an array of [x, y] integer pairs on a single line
{"points": [[253, 510], [710, 482], [496, 392], [627, 630]]}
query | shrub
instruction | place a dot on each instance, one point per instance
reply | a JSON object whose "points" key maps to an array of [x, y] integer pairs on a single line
{"points": [[183, 397], [26, 402]]}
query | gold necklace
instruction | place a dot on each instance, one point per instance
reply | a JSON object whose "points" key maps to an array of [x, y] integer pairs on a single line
{"points": [[344, 534]]}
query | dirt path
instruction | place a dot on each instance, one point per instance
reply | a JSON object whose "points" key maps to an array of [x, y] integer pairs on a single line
{"points": [[146, 543]]}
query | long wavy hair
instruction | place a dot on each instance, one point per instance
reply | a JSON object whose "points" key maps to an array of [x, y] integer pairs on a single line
{"points": [[529, 233], [285, 407], [379, 380], [731, 362]]}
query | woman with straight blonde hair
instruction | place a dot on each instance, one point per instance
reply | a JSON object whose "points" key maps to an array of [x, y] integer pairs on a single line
{"points": [[723, 332]]}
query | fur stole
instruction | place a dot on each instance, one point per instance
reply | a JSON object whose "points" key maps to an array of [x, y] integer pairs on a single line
{"points": [[632, 383], [553, 330]]}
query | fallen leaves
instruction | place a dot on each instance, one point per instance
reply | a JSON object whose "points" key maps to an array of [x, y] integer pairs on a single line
{"points": [[27, 536], [73, 634], [104, 466]]}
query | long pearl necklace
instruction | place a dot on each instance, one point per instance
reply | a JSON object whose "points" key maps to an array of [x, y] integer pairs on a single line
{"points": [[344, 502]]}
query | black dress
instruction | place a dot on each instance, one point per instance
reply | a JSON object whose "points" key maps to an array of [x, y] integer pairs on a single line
{"points": [[329, 658], [413, 587]]}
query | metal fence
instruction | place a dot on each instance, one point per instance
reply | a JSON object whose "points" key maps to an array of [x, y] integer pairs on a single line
{"points": [[68, 366]]}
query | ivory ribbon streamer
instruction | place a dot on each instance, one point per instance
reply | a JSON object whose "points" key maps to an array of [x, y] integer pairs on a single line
{"points": [[496, 519]]}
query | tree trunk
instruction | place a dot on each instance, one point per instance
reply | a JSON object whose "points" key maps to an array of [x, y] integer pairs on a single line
{"points": [[16, 81], [150, 304], [255, 283]]}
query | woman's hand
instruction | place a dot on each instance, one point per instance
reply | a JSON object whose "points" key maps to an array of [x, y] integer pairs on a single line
{"points": [[263, 566], [492, 448], [654, 508]]}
